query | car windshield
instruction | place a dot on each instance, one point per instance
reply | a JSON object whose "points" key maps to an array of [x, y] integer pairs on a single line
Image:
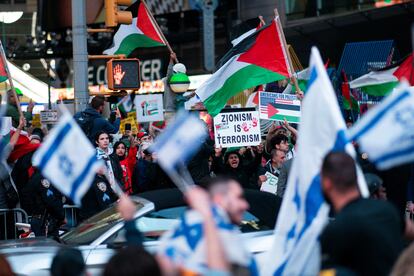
{"points": [[154, 224], [94, 227]]}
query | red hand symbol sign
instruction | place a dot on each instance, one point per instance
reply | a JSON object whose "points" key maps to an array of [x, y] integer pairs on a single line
{"points": [[118, 74]]}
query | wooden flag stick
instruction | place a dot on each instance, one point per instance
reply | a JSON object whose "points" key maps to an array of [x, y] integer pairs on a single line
{"points": [[299, 93], [4, 60], [262, 20], [158, 28]]}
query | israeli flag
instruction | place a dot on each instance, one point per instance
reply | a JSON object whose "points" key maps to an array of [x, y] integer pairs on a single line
{"points": [[304, 213], [386, 132], [185, 246], [179, 142], [67, 159]]}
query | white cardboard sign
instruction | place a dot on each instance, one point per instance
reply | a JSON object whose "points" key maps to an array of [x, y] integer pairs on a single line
{"points": [[149, 108], [237, 129]]}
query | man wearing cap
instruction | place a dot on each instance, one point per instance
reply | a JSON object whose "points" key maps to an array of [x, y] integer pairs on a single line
{"points": [[144, 137]]}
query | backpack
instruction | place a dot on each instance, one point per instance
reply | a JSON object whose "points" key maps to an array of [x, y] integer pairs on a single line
{"points": [[85, 121]]}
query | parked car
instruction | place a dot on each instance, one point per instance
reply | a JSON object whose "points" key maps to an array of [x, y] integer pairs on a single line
{"points": [[101, 235]]}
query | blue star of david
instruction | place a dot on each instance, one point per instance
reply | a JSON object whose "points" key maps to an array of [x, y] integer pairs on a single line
{"points": [[192, 233], [405, 116], [65, 165]]}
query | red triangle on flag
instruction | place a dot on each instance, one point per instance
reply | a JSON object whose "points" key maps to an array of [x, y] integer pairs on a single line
{"points": [[405, 70], [271, 111], [3, 73], [268, 52], [145, 24]]}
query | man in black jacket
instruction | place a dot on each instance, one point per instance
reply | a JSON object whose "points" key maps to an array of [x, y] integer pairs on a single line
{"points": [[366, 235], [93, 114]]}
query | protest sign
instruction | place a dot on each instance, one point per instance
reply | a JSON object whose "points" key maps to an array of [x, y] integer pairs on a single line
{"points": [[270, 185], [277, 107], [132, 122], [36, 121], [149, 108], [49, 116], [132, 114], [237, 129]]}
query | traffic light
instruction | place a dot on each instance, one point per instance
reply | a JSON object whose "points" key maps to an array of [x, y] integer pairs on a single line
{"points": [[114, 16], [123, 74]]}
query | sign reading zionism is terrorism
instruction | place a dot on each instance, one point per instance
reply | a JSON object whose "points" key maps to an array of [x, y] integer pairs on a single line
{"points": [[278, 107], [237, 129]]}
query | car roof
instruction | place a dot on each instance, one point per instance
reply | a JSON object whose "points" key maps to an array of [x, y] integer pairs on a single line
{"points": [[265, 206]]}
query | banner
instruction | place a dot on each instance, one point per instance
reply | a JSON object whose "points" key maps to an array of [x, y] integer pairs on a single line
{"points": [[277, 107], [149, 108], [237, 129], [132, 122]]}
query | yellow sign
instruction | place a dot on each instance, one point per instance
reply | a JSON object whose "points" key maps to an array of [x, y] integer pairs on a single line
{"points": [[132, 114], [132, 122], [36, 121]]}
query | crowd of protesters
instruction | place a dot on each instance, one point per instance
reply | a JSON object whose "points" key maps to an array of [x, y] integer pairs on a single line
{"points": [[131, 166]]}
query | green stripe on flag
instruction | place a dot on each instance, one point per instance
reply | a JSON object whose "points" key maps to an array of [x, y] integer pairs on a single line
{"points": [[347, 106], [133, 41], [291, 119], [3, 78], [379, 90], [245, 78]]}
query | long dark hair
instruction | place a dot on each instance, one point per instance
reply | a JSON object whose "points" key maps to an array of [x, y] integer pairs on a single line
{"points": [[116, 146]]}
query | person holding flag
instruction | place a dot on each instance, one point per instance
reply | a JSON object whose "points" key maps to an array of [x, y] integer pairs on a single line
{"points": [[12, 110]]}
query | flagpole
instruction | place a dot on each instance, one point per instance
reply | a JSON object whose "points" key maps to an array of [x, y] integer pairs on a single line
{"points": [[158, 29], [6, 67], [299, 93], [262, 20]]}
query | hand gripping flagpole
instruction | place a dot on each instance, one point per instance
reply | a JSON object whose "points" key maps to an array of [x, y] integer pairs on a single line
{"points": [[4, 60], [176, 146]]}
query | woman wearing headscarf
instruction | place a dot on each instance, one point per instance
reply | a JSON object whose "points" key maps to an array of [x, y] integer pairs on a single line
{"points": [[127, 159]]}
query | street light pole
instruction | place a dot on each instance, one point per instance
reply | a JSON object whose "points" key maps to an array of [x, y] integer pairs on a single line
{"points": [[80, 54]]}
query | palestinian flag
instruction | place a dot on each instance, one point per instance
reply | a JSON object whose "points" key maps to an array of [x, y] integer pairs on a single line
{"points": [[3, 73], [258, 59], [350, 104], [142, 33], [382, 82], [240, 32], [125, 104]]}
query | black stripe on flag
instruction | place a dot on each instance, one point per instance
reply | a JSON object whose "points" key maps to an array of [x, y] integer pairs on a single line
{"points": [[286, 106]]}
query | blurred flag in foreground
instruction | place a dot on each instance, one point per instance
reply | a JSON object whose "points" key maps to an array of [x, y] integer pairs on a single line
{"points": [[178, 144], [67, 159], [185, 245], [304, 213], [393, 122]]}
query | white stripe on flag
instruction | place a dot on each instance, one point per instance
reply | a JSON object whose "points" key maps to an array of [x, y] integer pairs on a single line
{"points": [[393, 121], [304, 212], [67, 159]]}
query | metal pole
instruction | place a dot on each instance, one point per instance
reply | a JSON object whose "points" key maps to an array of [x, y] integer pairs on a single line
{"points": [[80, 54], [49, 78]]}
